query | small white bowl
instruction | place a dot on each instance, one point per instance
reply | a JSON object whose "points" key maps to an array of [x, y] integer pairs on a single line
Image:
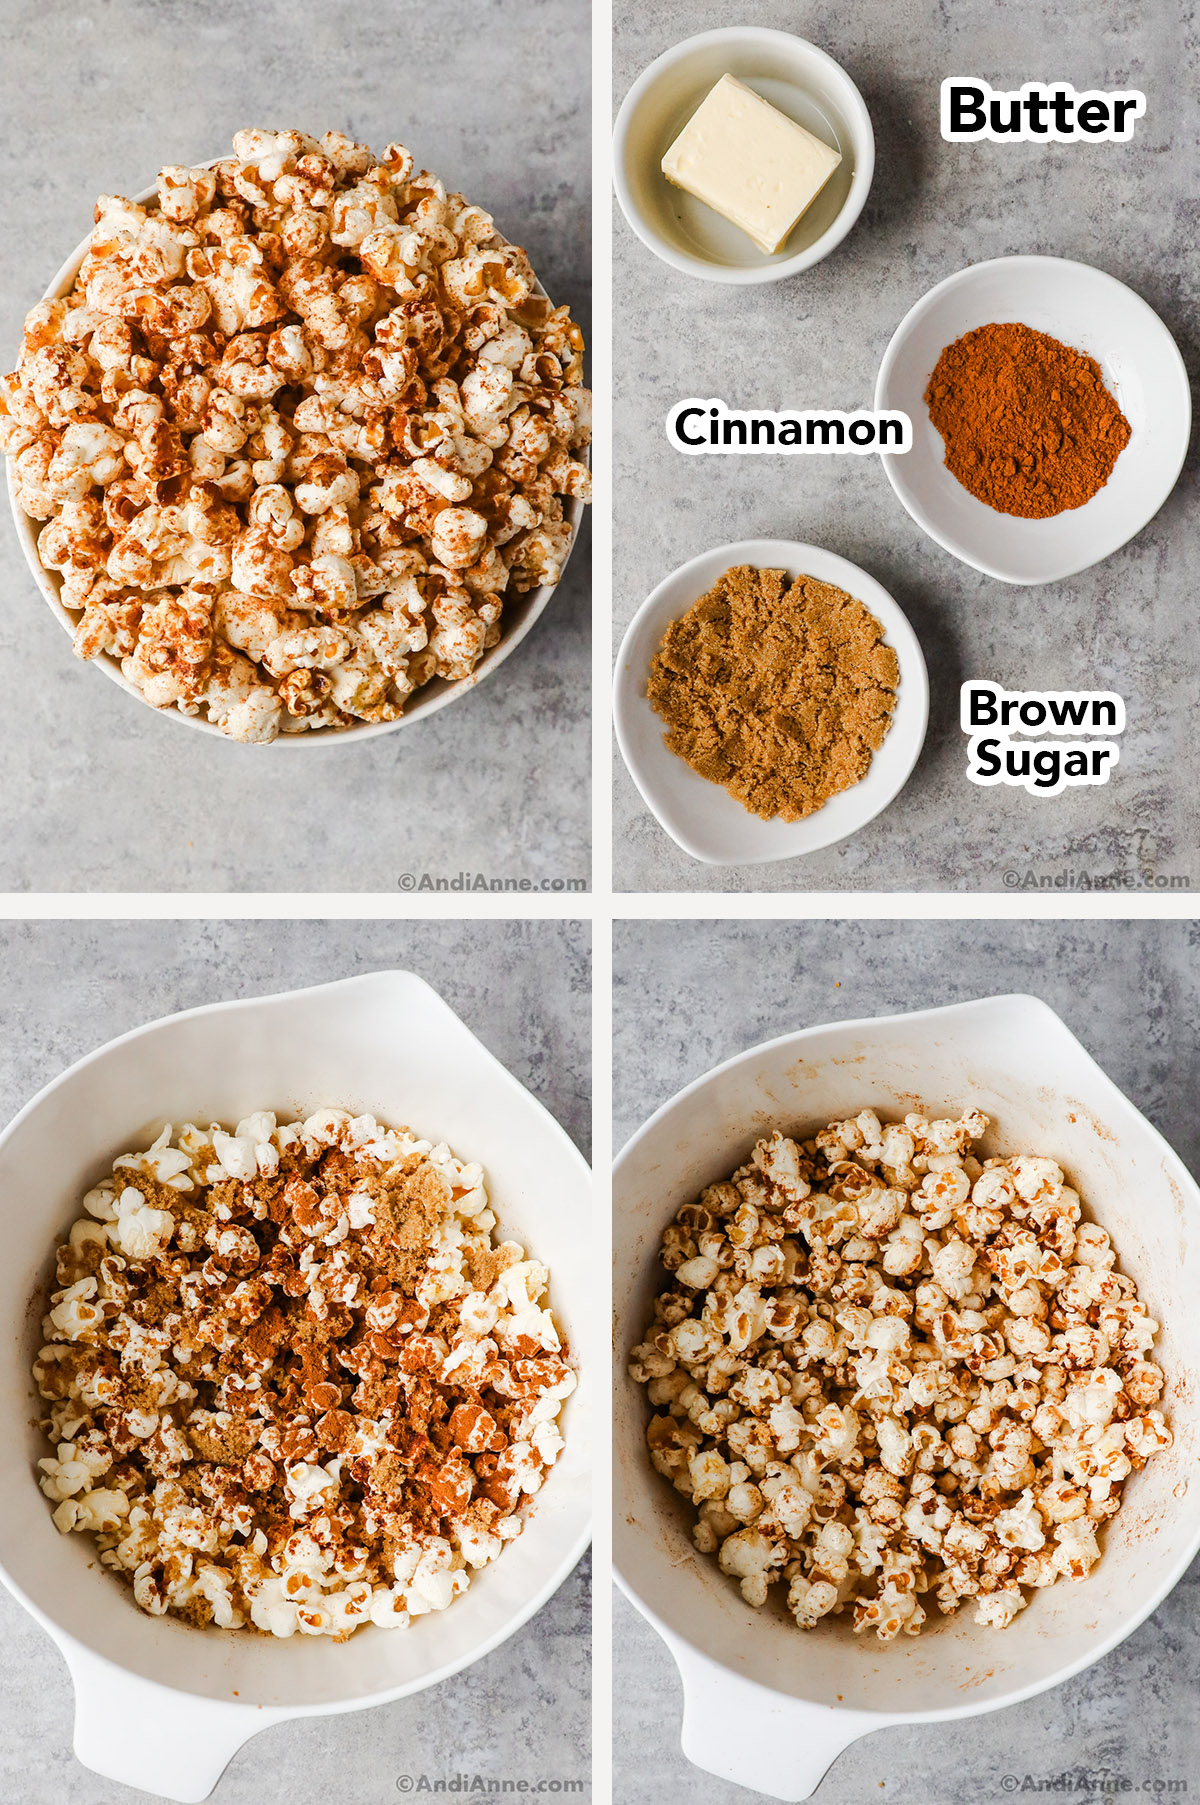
{"points": [[803, 82], [519, 616], [1142, 369], [702, 817]]}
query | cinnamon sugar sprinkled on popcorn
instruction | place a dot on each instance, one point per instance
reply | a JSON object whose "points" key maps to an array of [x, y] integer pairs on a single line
{"points": [[299, 430], [294, 1385], [884, 1370]]}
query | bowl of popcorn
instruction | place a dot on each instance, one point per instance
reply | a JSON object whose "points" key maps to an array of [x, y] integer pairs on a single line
{"points": [[300, 1288], [906, 1410], [297, 442]]}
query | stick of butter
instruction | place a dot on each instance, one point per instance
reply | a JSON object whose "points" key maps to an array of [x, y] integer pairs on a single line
{"points": [[749, 162]]}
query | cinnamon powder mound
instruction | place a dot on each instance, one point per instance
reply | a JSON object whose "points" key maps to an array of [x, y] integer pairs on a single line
{"points": [[1028, 425], [779, 691]]}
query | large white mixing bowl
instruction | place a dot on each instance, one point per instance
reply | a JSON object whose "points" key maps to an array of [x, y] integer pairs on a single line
{"points": [[766, 1705], [159, 1704]]}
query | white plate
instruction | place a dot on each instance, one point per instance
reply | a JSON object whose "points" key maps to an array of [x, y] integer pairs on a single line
{"points": [[1142, 368], [700, 816], [797, 78], [519, 616]]}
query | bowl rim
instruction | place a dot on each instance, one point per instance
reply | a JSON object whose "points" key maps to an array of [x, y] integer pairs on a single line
{"points": [[897, 628], [861, 130], [870, 1716], [263, 1714], [1023, 260], [419, 707]]}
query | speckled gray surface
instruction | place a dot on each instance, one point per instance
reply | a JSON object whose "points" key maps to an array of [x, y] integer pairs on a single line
{"points": [[494, 96], [688, 995], [817, 340], [523, 1713]]}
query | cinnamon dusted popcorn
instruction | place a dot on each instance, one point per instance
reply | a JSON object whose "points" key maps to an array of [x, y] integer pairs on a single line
{"points": [[302, 426], [884, 1370], [293, 1384]]}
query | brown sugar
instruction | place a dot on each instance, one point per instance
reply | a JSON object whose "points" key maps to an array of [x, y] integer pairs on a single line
{"points": [[781, 691], [1028, 425], [225, 1446], [485, 1268], [407, 1208]]}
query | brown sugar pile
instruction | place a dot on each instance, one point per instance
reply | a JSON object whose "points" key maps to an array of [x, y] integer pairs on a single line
{"points": [[780, 691], [1028, 424]]}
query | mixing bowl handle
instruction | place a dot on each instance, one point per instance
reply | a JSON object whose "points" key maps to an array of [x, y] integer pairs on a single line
{"points": [[757, 1738], [141, 1734]]}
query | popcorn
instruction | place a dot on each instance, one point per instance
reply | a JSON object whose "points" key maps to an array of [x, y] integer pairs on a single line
{"points": [[302, 389], [292, 1383], [141, 1232], [882, 1369]]}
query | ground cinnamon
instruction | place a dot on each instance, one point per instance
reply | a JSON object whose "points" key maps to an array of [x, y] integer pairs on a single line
{"points": [[780, 691], [1028, 424]]}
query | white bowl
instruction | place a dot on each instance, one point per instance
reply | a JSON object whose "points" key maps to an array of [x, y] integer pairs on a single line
{"points": [[159, 1704], [1142, 369], [803, 82], [769, 1706], [520, 613], [700, 816]]}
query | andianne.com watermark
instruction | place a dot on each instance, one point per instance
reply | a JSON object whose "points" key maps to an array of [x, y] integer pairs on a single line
{"points": [[1097, 1783], [487, 1786], [1065, 877], [460, 883]]}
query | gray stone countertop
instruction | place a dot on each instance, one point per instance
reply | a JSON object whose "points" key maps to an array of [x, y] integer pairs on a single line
{"points": [[100, 794], [816, 340], [523, 1712], [689, 995]]}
